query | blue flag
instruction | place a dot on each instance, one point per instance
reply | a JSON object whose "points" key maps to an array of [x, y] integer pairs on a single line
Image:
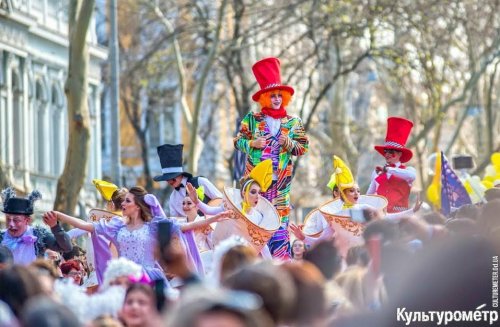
{"points": [[453, 193]]}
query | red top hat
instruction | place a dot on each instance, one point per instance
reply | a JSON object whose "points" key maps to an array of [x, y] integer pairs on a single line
{"points": [[398, 130], [268, 74]]}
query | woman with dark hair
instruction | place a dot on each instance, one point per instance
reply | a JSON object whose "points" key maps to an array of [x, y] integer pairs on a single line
{"points": [[134, 235]]}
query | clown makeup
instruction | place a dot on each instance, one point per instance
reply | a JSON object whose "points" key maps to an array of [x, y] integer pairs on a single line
{"points": [[16, 224], [276, 100], [392, 156], [352, 194]]}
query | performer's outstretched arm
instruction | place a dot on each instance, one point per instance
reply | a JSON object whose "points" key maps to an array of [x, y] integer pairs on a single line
{"points": [[408, 174], [205, 222], [75, 222]]}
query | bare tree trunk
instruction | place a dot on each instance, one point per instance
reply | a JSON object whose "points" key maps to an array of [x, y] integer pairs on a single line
{"points": [[75, 167], [4, 179], [195, 142], [181, 71], [489, 111]]}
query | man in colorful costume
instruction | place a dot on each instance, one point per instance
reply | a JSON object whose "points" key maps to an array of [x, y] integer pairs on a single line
{"points": [[273, 134], [26, 242], [394, 180]]}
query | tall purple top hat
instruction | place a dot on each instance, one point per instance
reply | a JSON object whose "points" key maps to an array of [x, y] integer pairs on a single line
{"points": [[171, 162]]}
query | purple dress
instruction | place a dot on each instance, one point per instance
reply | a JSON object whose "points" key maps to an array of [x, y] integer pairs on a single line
{"points": [[138, 245]]}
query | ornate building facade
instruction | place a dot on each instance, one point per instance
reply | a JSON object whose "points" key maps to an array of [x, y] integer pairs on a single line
{"points": [[33, 110]]}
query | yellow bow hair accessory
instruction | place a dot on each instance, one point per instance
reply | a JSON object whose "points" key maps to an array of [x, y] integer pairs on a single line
{"points": [[105, 188], [263, 174]]}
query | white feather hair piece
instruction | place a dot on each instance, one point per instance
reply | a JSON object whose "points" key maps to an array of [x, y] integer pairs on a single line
{"points": [[89, 307], [118, 268]]}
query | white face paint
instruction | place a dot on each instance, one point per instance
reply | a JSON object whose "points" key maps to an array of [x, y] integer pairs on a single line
{"points": [[276, 100]]}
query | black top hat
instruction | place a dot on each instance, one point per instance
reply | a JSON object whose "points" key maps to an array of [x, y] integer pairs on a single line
{"points": [[171, 162], [19, 206]]}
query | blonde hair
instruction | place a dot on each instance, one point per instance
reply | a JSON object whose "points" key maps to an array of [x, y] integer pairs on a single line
{"points": [[265, 98], [352, 283]]}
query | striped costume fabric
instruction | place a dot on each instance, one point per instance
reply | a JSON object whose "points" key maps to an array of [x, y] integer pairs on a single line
{"points": [[253, 126]]}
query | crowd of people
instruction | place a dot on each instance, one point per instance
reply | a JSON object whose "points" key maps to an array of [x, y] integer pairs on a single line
{"points": [[232, 259]]}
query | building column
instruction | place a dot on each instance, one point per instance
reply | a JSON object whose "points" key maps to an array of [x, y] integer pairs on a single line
{"points": [[26, 124]]}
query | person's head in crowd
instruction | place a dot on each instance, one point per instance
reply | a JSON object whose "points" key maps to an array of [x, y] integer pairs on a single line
{"points": [[75, 253], [488, 219], [18, 285], [46, 273], [42, 311], [470, 211], [204, 307], [298, 249], [135, 205], [336, 301], [325, 256], [274, 286], [53, 257], [106, 321], [231, 254], [310, 303], [139, 306], [115, 204], [387, 230], [235, 258], [18, 210], [453, 274], [462, 226], [6, 257], [72, 269], [119, 271], [357, 256], [492, 194], [434, 218], [352, 281]]}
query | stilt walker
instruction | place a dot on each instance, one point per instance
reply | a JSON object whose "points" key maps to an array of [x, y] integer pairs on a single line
{"points": [[273, 134]]}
